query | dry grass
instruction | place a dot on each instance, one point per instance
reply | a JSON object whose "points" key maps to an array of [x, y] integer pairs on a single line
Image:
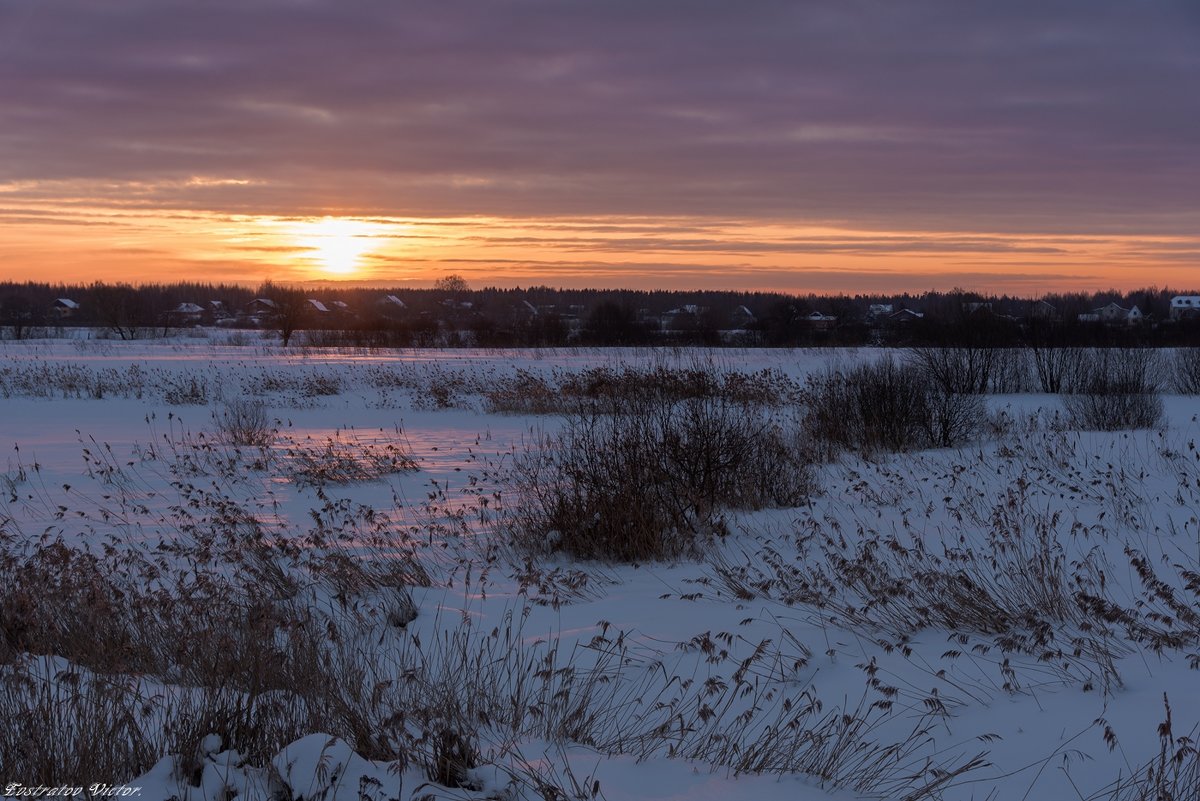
{"points": [[648, 478], [213, 615], [339, 461]]}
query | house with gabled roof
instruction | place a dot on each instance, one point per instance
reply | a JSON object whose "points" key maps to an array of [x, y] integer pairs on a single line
{"points": [[905, 317], [185, 313], [64, 307], [1113, 314], [819, 321], [391, 301], [1185, 307], [742, 318]]}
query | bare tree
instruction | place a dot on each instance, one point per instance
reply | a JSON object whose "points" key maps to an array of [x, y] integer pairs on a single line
{"points": [[122, 309], [289, 309], [451, 283], [19, 315]]}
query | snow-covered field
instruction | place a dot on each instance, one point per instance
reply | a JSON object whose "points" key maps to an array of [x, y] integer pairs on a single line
{"points": [[312, 615]]}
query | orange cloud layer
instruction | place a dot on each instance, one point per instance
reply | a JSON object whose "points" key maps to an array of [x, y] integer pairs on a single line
{"points": [[77, 243]]}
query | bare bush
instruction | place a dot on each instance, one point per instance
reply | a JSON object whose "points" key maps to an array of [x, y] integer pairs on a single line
{"points": [[1121, 391], [1059, 370], [1185, 373], [887, 406], [646, 480], [1106, 408], [962, 370], [244, 422]]}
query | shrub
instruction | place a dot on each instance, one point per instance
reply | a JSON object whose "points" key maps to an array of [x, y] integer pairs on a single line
{"points": [[970, 370], [1186, 371], [1106, 408], [244, 422], [646, 479], [1121, 392], [887, 406], [1059, 370]]}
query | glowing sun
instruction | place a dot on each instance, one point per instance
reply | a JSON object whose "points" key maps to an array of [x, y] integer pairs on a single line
{"points": [[337, 243]]}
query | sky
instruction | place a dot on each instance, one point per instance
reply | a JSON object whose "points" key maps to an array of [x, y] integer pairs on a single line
{"points": [[1022, 146]]}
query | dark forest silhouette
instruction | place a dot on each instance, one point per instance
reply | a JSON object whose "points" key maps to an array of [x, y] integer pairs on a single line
{"points": [[452, 314]]}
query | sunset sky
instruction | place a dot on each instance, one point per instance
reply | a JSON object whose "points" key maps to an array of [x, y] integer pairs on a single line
{"points": [[850, 145]]}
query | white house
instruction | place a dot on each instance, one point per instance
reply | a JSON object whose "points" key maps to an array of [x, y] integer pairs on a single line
{"points": [[819, 321], [1113, 314], [1185, 307], [186, 313]]}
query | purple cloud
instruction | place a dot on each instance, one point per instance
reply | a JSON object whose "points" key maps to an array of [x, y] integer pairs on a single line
{"points": [[1020, 116]]}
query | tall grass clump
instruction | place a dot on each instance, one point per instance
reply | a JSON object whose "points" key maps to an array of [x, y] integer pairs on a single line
{"points": [[646, 478], [243, 422], [1172, 775], [1121, 391], [888, 406]]}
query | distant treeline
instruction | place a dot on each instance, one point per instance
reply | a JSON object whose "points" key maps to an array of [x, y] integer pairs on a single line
{"points": [[453, 314]]}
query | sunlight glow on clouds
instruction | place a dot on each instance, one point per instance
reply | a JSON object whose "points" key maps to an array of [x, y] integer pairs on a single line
{"points": [[338, 243], [143, 245]]}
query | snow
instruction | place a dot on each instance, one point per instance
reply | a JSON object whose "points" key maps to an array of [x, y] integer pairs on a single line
{"points": [[654, 629]]}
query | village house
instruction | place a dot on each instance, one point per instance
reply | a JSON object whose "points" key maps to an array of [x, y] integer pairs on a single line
{"points": [[905, 317], [1041, 310], [742, 318], [819, 322], [1113, 315], [185, 314], [64, 307], [684, 318], [391, 303], [1185, 307]]}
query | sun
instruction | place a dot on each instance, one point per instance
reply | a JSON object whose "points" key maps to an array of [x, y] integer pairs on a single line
{"points": [[338, 243]]}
